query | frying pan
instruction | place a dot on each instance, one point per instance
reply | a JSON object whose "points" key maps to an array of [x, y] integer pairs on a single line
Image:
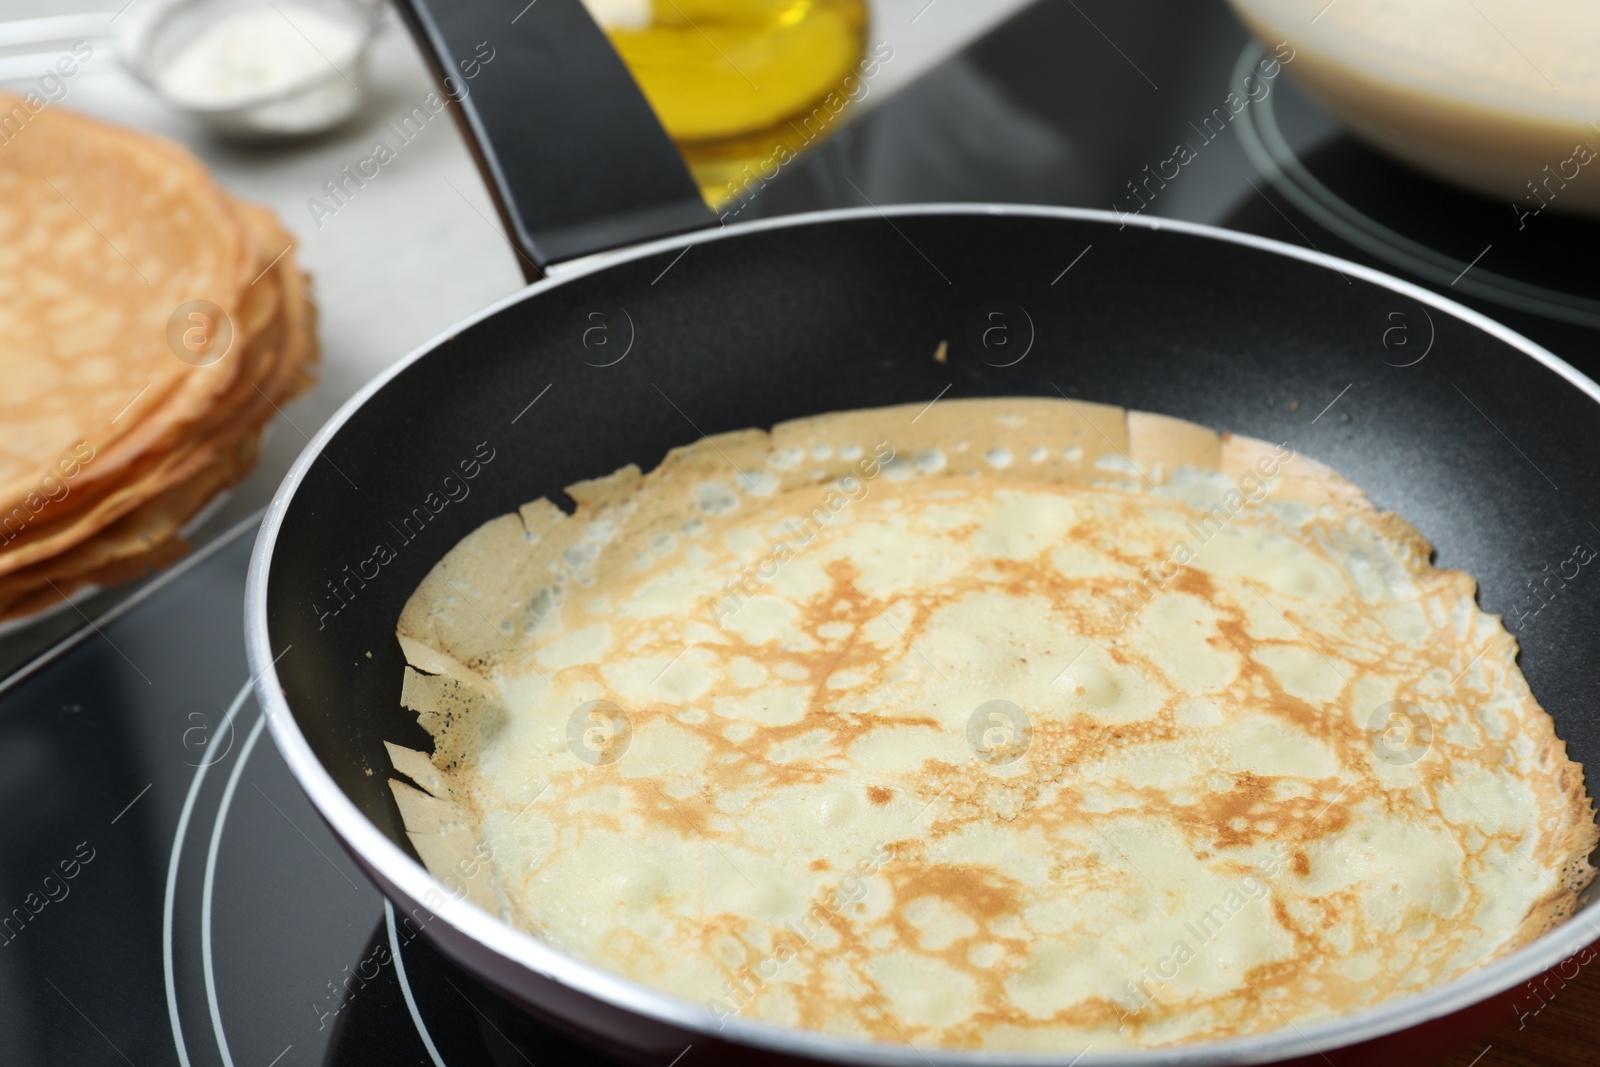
{"points": [[1478, 436]]}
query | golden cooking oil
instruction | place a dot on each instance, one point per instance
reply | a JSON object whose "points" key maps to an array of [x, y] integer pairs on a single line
{"points": [[740, 85]]}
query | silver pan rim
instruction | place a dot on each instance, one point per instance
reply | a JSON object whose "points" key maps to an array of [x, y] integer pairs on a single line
{"points": [[491, 935]]}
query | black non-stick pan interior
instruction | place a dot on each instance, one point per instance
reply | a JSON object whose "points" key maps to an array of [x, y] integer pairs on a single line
{"points": [[1486, 449]]}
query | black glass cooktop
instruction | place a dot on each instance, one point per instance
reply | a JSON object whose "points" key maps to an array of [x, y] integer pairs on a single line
{"points": [[171, 898], [166, 894]]}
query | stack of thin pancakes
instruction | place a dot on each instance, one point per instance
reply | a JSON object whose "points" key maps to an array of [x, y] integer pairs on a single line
{"points": [[150, 327]]}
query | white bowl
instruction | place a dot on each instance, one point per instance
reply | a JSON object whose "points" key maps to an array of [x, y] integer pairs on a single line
{"points": [[280, 75], [1499, 96]]}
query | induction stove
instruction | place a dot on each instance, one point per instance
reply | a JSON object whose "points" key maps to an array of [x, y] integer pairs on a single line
{"points": [[168, 896]]}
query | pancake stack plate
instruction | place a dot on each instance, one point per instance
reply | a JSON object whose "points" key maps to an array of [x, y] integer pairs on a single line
{"points": [[150, 327]]}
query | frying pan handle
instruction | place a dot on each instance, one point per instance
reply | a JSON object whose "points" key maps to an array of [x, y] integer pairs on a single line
{"points": [[571, 151]]}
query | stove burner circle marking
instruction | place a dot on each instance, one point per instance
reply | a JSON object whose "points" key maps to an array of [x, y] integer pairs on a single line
{"points": [[405, 986], [168, 973], [206, 892], [1267, 149]]}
